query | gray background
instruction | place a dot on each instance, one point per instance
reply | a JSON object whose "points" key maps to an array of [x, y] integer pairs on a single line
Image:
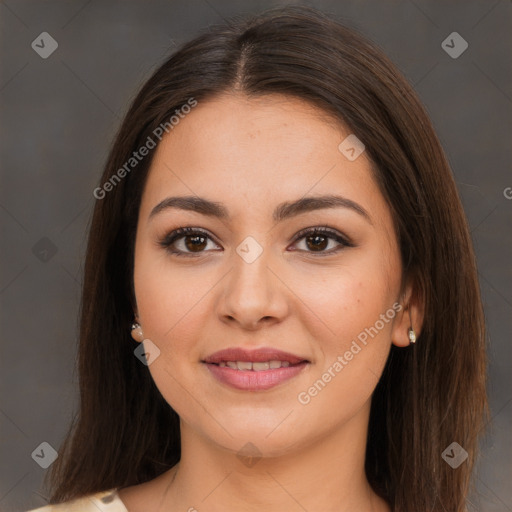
{"points": [[59, 115]]}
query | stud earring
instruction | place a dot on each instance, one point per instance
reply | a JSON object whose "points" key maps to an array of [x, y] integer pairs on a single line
{"points": [[137, 333], [411, 332]]}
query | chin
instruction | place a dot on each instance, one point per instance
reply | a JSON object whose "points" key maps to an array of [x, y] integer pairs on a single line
{"points": [[259, 444]]}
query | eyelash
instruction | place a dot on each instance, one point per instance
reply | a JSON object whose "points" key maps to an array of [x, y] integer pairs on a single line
{"points": [[179, 233]]}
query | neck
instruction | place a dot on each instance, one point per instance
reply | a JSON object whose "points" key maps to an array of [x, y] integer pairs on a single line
{"points": [[328, 474]]}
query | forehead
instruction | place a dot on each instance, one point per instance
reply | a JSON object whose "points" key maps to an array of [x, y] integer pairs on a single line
{"points": [[255, 151], [234, 126]]}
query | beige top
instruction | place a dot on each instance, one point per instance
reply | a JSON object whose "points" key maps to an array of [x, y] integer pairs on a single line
{"points": [[105, 501]]}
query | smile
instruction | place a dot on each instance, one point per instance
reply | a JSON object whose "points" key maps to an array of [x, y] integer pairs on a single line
{"points": [[254, 370], [255, 366], [251, 379]]}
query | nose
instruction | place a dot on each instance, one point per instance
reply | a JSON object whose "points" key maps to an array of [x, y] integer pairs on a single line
{"points": [[254, 295]]}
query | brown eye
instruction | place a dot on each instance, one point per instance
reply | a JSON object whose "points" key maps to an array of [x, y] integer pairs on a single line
{"points": [[186, 241], [317, 240], [195, 243]]}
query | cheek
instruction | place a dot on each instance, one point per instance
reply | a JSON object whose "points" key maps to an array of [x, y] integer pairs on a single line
{"points": [[341, 302], [358, 311], [168, 297], [171, 312]]}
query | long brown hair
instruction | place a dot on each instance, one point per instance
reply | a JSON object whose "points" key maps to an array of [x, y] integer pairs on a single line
{"points": [[430, 394]]}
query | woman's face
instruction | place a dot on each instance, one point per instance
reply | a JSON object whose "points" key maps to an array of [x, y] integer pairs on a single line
{"points": [[251, 280]]}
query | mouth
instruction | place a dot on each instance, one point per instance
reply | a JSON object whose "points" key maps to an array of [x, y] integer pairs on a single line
{"points": [[254, 370]]}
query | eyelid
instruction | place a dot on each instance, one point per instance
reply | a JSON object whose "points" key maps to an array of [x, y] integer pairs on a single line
{"points": [[182, 232], [326, 231]]}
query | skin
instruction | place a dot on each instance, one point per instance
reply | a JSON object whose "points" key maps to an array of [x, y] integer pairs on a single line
{"points": [[251, 155]]}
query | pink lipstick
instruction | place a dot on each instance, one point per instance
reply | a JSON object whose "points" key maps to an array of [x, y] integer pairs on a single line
{"points": [[254, 370]]}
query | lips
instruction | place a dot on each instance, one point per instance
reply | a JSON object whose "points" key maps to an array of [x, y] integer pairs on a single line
{"points": [[254, 370], [259, 355]]}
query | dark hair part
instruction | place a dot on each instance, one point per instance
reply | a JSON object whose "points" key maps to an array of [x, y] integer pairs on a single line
{"points": [[429, 395]]}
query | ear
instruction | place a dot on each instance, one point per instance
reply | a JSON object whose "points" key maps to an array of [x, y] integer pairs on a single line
{"points": [[411, 315]]}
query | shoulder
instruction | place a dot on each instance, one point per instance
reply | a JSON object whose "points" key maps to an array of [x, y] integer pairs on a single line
{"points": [[105, 501]]}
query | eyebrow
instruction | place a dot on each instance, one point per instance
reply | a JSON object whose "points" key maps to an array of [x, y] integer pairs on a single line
{"points": [[283, 211]]}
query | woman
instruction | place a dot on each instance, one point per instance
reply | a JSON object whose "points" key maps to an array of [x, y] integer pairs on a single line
{"points": [[280, 308]]}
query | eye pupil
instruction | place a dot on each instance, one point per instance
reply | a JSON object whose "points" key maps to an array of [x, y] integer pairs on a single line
{"points": [[316, 238], [195, 244]]}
